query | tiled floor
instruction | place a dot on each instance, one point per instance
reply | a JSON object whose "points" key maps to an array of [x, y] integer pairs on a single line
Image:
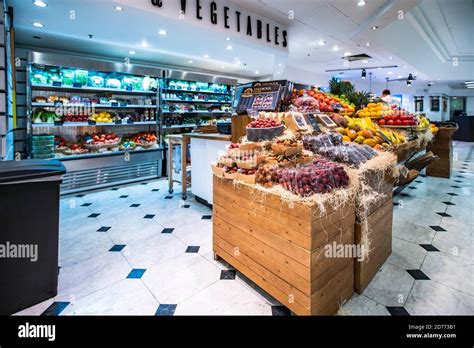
{"points": [[131, 251]]}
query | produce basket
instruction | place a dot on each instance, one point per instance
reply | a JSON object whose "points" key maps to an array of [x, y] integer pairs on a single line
{"points": [[146, 145], [102, 146], [262, 134], [69, 152]]}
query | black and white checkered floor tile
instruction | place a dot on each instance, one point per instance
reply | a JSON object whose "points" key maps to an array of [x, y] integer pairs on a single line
{"points": [[135, 251]]}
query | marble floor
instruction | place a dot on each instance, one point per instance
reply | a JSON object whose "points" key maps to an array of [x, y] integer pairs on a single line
{"points": [[136, 250]]}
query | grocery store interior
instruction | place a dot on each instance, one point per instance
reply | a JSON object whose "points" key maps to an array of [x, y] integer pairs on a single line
{"points": [[237, 157]]}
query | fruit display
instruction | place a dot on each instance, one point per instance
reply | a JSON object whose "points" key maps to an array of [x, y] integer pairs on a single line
{"points": [[102, 117], [264, 123], [287, 147], [376, 110], [305, 103], [267, 176], [74, 118], [127, 145], [350, 154], [315, 142], [76, 149], [423, 122], [101, 140], [433, 128], [264, 128], [399, 120], [364, 137], [144, 139], [320, 177], [327, 103]]}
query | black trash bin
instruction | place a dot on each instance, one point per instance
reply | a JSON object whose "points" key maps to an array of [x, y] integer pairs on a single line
{"points": [[29, 232]]}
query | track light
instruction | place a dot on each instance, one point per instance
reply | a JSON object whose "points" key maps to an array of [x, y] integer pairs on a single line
{"points": [[409, 83], [410, 77], [364, 73]]}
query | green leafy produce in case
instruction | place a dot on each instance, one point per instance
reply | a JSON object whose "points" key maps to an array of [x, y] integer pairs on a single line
{"points": [[68, 77], [82, 77]]}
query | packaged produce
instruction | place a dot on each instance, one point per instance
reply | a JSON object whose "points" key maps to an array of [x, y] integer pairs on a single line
{"points": [[314, 142], [306, 103], [40, 100], [81, 77], [44, 116], [113, 83], [54, 75], [246, 175], [320, 177], [68, 77], [267, 176], [96, 81], [350, 154], [39, 76], [287, 147]]}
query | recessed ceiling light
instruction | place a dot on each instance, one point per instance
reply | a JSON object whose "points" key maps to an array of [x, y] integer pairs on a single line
{"points": [[375, 27], [335, 48], [257, 72], [280, 65], [367, 44], [347, 54], [361, 3], [390, 73], [118, 8], [222, 67], [206, 56], [38, 24], [40, 3], [399, 76], [390, 57], [162, 32], [144, 44], [379, 68], [229, 47], [321, 42], [131, 52], [365, 61], [190, 61], [278, 73], [437, 79], [227, 39]]}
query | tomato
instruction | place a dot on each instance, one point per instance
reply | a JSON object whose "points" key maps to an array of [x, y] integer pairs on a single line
{"points": [[382, 122], [390, 122], [398, 122]]}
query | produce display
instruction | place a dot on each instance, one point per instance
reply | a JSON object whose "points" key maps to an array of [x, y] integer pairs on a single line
{"points": [[306, 104], [267, 176], [104, 117], [398, 119], [264, 123], [320, 177], [314, 99], [101, 140], [69, 77], [44, 116], [314, 142], [376, 110], [264, 128], [350, 154], [144, 139]]}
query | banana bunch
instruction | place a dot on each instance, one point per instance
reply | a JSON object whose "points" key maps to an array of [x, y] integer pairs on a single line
{"points": [[423, 122], [394, 137], [363, 123]]}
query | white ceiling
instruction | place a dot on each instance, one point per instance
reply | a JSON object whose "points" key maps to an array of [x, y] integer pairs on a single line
{"points": [[423, 42]]}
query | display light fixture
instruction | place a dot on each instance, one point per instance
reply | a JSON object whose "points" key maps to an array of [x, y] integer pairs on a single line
{"points": [[364, 74]]}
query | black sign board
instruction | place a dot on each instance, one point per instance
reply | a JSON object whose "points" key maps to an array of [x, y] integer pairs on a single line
{"points": [[57, 84], [261, 96]]}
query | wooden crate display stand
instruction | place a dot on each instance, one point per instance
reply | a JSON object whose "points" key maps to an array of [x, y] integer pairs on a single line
{"points": [[282, 249], [379, 225], [443, 148]]}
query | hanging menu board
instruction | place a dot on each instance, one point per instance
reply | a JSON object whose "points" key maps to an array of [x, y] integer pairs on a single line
{"points": [[261, 96]]}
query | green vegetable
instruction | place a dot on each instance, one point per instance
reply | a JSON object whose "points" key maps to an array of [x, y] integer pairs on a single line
{"points": [[68, 77], [37, 116], [82, 77]]}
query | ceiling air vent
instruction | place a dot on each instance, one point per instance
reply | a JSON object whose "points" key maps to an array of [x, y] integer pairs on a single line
{"points": [[356, 57]]}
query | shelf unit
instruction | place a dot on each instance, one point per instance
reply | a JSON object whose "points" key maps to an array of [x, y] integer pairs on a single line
{"points": [[102, 168]]}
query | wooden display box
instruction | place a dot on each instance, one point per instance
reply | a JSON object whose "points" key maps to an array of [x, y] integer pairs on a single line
{"points": [[443, 148], [282, 249], [379, 182], [380, 233]]}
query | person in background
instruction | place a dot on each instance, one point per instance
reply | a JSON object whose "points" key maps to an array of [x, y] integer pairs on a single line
{"points": [[386, 97]]}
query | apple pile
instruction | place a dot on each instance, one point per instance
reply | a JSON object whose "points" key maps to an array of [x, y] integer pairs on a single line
{"points": [[267, 176], [75, 118], [264, 123]]}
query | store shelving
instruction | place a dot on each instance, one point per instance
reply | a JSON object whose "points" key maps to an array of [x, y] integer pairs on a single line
{"points": [[97, 124], [101, 106], [197, 101], [42, 87], [168, 90]]}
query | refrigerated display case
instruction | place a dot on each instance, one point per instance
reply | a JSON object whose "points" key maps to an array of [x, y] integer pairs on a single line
{"points": [[101, 119]]}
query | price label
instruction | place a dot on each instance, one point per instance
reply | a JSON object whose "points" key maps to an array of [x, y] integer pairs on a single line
{"points": [[58, 123], [114, 104], [118, 122], [58, 103], [130, 122], [92, 123], [128, 88], [57, 84], [123, 104], [77, 85]]}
